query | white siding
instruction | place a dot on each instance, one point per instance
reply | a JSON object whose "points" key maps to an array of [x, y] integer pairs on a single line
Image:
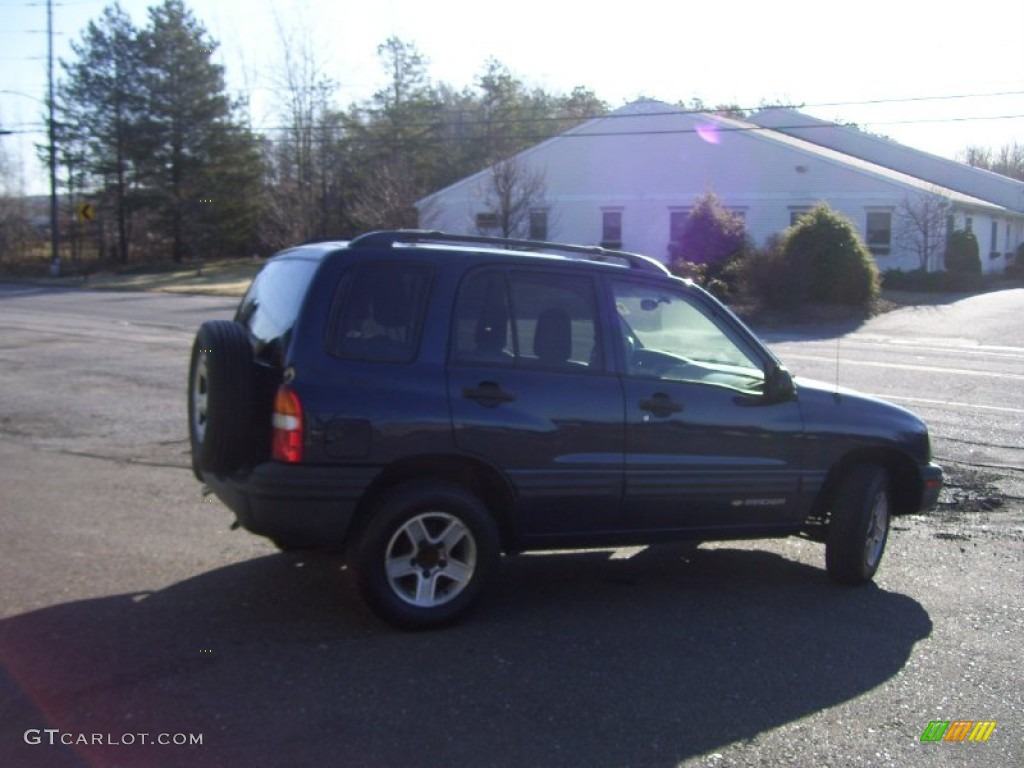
{"points": [[647, 163]]}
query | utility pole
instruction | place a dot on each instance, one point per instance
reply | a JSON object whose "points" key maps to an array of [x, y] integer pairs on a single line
{"points": [[54, 234]]}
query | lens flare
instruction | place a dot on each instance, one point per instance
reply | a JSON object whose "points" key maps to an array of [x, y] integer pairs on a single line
{"points": [[709, 133]]}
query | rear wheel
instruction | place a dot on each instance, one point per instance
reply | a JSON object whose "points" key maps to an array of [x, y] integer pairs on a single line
{"points": [[859, 527], [220, 396], [425, 555]]}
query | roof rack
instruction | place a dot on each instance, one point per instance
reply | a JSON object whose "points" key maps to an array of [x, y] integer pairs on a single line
{"points": [[388, 238]]}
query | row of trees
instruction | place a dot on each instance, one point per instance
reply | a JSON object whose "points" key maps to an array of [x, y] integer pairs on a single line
{"points": [[1008, 160], [147, 133]]}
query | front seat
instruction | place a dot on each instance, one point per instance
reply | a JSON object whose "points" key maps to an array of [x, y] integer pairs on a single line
{"points": [[552, 339]]}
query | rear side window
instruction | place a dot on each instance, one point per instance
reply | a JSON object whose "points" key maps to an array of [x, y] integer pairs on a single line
{"points": [[378, 312], [528, 319], [272, 302]]}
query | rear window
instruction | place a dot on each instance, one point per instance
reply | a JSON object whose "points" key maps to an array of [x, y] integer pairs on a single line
{"points": [[378, 312], [273, 301]]}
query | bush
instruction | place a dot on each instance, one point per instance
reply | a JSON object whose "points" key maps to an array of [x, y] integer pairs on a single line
{"points": [[931, 282], [722, 278], [819, 259], [1016, 269], [711, 234], [962, 252]]}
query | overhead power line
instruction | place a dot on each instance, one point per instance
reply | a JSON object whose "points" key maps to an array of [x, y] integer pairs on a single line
{"points": [[345, 136]]}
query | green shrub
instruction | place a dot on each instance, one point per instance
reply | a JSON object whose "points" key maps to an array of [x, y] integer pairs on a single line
{"points": [[962, 252], [821, 259], [932, 282], [711, 234], [762, 274]]}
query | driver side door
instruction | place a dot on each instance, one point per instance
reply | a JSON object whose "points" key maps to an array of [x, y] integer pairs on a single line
{"points": [[704, 448]]}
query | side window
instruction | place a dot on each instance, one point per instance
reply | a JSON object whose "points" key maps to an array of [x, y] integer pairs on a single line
{"points": [[666, 335], [527, 319], [378, 312], [482, 323]]}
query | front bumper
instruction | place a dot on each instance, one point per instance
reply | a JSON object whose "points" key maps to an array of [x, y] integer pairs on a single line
{"points": [[302, 505]]}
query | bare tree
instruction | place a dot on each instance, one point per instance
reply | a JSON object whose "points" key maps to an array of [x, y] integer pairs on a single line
{"points": [[386, 200], [511, 192], [1008, 160], [921, 223], [298, 206], [16, 237]]}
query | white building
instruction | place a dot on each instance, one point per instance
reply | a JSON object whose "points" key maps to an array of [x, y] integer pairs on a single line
{"points": [[628, 180]]}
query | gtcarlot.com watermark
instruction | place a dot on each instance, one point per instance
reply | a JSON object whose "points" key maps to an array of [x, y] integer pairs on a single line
{"points": [[54, 736]]}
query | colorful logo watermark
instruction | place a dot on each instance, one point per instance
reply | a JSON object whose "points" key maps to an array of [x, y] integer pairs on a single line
{"points": [[958, 730]]}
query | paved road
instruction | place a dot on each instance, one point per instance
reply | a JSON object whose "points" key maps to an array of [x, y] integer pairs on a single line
{"points": [[129, 607], [959, 365]]}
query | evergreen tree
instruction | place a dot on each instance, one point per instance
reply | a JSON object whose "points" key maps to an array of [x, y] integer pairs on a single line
{"points": [[196, 153], [99, 107], [396, 136]]}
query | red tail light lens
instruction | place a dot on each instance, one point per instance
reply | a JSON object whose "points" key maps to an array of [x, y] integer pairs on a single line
{"points": [[287, 426]]}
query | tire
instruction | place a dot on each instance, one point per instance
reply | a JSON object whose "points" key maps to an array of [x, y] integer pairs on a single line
{"points": [[859, 527], [220, 397], [425, 555]]}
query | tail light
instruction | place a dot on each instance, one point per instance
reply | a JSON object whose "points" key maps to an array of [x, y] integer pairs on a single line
{"points": [[287, 426]]}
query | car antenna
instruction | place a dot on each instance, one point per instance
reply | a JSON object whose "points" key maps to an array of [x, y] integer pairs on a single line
{"points": [[836, 394]]}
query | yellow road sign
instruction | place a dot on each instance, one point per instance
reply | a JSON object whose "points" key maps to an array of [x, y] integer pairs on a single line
{"points": [[85, 211]]}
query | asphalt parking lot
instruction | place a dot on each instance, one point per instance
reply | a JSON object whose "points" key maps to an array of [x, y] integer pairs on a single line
{"points": [[129, 607]]}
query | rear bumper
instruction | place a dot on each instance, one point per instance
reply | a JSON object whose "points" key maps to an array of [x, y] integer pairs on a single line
{"points": [[294, 504], [931, 485]]}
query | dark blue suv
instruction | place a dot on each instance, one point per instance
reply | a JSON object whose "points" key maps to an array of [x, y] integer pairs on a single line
{"points": [[423, 402]]}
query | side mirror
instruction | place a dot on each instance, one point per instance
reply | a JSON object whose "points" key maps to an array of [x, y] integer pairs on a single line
{"points": [[778, 385]]}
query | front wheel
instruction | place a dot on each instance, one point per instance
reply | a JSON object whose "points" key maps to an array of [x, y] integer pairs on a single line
{"points": [[859, 527], [425, 555]]}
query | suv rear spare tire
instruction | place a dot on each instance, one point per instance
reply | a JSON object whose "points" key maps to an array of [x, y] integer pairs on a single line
{"points": [[220, 396], [425, 554], [860, 525]]}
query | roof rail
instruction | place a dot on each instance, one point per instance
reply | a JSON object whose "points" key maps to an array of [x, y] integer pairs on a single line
{"points": [[388, 238]]}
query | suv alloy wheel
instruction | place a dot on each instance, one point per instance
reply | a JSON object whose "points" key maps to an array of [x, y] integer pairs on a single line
{"points": [[425, 554]]}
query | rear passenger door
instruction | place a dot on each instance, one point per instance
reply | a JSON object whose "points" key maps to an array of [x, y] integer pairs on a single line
{"points": [[531, 392]]}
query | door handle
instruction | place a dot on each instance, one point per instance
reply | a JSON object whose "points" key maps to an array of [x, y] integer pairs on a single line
{"points": [[488, 394], [660, 404]]}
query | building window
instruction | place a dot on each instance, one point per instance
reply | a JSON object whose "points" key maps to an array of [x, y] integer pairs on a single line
{"points": [[993, 247], [677, 224], [538, 224], [611, 229], [879, 232], [486, 222], [796, 212], [969, 223]]}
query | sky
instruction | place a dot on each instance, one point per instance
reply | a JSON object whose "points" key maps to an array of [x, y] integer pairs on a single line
{"points": [[929, 75]]}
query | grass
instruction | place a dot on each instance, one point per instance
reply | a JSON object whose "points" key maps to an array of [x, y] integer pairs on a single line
{"points": [[229, 277]]}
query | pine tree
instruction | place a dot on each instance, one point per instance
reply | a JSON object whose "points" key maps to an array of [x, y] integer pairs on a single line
{"points": [[102, 95], [193, 145]]}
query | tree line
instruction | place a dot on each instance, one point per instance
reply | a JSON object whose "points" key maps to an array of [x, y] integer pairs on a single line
{"points": [[147, 132]]}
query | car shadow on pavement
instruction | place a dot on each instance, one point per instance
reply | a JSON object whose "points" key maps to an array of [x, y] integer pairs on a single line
{"points": [[572, 659]]}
